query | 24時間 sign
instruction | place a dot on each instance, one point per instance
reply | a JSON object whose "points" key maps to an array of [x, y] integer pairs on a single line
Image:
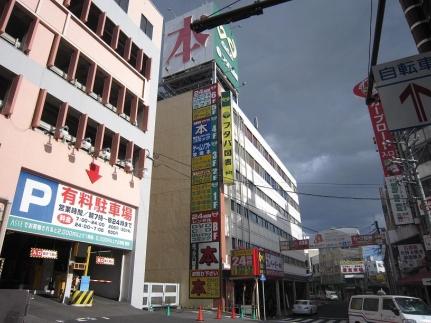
{"points": [[205, 262], [45, 207]]}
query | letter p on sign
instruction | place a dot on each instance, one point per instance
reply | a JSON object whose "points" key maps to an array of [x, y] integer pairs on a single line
{"points": [[35, 193]]}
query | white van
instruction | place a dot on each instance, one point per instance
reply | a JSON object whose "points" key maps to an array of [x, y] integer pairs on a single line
{"points": [[388, 308]]}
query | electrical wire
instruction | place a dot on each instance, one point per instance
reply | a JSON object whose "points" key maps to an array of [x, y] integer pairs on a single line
{"points": [[224, 8], [288, 191]]}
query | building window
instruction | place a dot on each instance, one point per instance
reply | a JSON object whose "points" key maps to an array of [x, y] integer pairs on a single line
{"points": [[6, 78], [146, 27], [124, 4], [18, 26]]}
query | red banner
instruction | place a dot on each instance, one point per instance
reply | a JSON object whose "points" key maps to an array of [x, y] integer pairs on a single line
{"points": [[384, 140]]}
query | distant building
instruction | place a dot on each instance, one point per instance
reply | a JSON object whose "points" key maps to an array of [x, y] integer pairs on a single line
{"points": [[78, 93], [341, 269], [218, 242]]}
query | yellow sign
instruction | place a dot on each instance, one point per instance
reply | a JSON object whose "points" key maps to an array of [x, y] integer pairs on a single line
{"points": [[201, 176], [227, 144], [201, 162], [202, 113], [202, 197], [204, 284]]}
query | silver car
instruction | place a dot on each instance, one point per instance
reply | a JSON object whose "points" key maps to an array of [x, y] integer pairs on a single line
{"points": [[304, 306]]}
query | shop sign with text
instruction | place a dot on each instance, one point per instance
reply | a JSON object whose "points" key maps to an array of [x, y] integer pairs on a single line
{"points": [[184, 49], [398, 200], [227, 138], [205, 260], [43, 253], [105, 261], [245, 262], [45, 207]]}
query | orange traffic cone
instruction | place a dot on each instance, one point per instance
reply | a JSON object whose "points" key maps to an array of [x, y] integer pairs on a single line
{"points": [[218, 317], [233, 315], [200, 317]]}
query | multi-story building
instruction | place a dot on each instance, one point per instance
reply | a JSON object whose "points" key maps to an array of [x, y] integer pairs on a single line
{"points": [[248, 210], [78, 99]]}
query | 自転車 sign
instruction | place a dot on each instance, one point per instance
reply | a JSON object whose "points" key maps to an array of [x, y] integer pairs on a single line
{"points": [[404, 87]]}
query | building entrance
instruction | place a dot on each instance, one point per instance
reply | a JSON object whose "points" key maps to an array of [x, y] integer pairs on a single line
{"points": [[33, 262], [45, 265]]}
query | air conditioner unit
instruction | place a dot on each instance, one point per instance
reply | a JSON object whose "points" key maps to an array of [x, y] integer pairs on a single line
{"points": [[105, 154], [111, 107]]}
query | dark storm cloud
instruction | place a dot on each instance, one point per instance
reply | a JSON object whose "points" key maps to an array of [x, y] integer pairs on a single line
{"points": [[301, 60]]}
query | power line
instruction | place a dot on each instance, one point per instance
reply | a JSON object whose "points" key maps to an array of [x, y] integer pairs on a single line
{"points": [[224, 8]]}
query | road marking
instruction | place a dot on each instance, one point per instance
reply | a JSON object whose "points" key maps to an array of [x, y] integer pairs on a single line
{"points": [[343, 321]]}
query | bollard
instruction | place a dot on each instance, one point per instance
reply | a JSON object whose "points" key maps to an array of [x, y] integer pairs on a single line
{"points": [[241, 313], [218, 317], [168, 311], [200, 317], [253, 313], [233, 314]]}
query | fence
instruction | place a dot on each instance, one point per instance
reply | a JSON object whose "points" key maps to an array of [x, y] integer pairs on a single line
{"points": [[161, 295]]}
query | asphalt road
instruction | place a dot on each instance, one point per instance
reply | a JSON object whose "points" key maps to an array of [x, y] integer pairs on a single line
{"points": [[42, 310]]}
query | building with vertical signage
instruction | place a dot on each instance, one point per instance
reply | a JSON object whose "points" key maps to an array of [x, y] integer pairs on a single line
{"points": [[221, 199], [78, 100]]}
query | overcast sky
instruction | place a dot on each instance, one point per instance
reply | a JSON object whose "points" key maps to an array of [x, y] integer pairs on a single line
{"points": [[300, 61]]}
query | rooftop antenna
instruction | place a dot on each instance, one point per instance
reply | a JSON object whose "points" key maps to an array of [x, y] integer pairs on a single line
{"points": [[256, 122]]}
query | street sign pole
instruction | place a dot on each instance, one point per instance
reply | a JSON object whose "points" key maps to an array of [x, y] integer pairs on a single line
{"points": [[262, 279]]}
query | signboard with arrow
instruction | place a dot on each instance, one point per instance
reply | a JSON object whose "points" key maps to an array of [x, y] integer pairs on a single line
{"points": [[404, 87]]}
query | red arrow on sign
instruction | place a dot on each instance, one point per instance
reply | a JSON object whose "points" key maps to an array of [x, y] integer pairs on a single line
{"points": [[93, 173], [414, 91]]}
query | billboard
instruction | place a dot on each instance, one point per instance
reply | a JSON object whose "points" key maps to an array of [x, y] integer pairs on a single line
{"points": [[205, 260], [227, 138], [183, 48], [295, 245], [245, 262], [352, 267], [411, 256], [398, 200], [388, 150], [45, 207]]}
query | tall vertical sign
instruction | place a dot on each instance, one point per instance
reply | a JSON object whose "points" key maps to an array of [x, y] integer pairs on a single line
{"points": [[397, 193], [227, 142], [205, 260]]}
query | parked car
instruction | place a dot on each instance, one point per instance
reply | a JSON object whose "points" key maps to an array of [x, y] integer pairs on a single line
{"points": [[388, 308], [304, 306], [331, 295]]}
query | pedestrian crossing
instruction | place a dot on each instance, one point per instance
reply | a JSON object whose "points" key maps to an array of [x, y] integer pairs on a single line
{"points": [[294, 319]]}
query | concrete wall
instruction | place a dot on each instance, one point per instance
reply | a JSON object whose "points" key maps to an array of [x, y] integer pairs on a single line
{"points": [[169, 224]]}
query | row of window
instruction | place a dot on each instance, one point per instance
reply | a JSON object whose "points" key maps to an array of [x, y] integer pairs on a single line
{"points": [[112, 35], [265, 153], [241, 244], [252, 216], [266, 198], [67, 124], [265, 175], [21, 26], [86, 75]]}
